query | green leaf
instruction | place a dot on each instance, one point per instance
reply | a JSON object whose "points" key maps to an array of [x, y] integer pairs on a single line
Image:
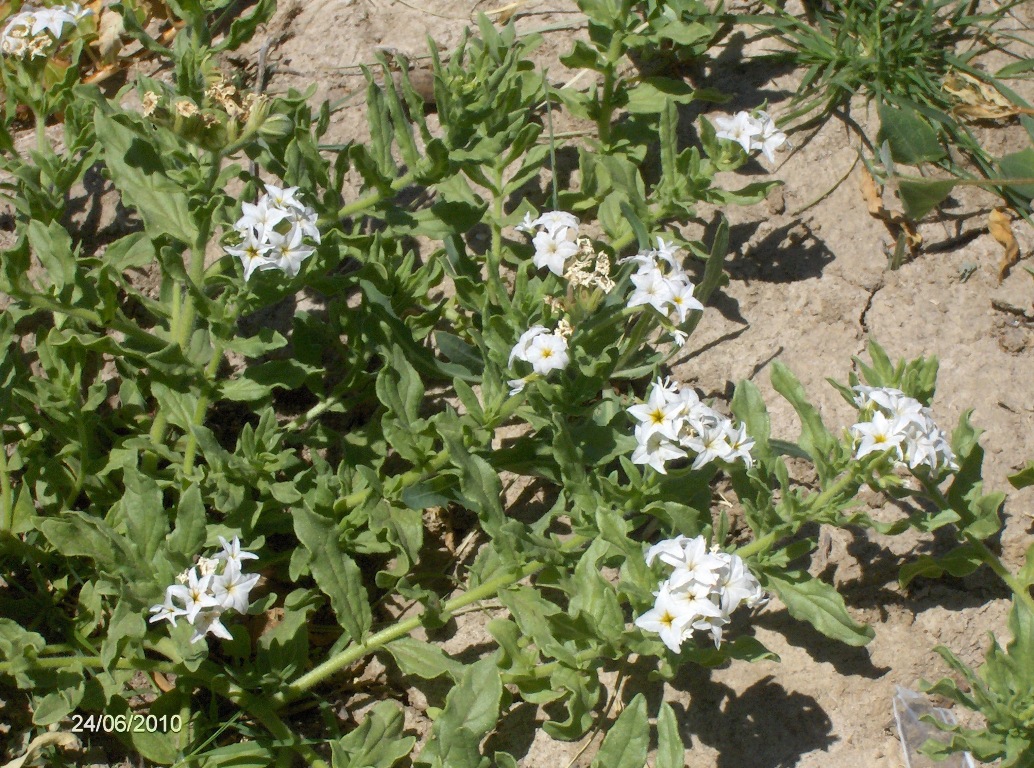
{"points": [[652, 93], [815, 438], [627, 741], [144, 515], [820, 605], [335, 572], [1019, 165], [377, 741], [961, 561], [471, 711], [461, 353], [749, 407], [139, 171], [912, 139], [920, 197], [425, 660], [52, 245], [671, 753], [188, 535], [1023, 478]]}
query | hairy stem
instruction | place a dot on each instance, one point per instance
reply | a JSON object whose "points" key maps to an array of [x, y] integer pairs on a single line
{"points": [[379, 639]]}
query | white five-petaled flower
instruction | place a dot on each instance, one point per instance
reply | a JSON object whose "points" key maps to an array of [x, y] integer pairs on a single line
{"points": [[880, 434], [552, 252], [667, 619], [651, 288], [232, 552], [682, 300], [544, 350], [35, 31], [195, 594], [547, 352]]}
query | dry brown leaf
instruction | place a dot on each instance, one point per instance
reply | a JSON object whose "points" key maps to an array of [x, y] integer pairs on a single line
{"points": [[872, 193], [53, 738], [109, 35], [163, 683], [506, 12], [979, 100], [895, 221], [1000, 226]]}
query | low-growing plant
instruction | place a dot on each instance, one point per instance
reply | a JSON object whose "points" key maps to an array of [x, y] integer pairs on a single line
{"points": [[215, 517], [919, 62]]}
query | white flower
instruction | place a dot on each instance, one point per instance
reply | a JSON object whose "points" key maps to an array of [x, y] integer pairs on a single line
{"points": [[651, 288], [654, 449], [557, 223], [520, 349], [880, 434], [283, 197], [232, 552], [666, 619], [742, 129], [696, 566], [260, 217], [289, 251], [705, 587], [770, 139], [208, 621], [195, 594], [709, 443], [527, 224], [547, 352], [516, 385], [221, 586], [254, 253], [167, 611], [740, 444], [668, 251], [231, 588], [682, 299], [659, 414], [552, 251]]}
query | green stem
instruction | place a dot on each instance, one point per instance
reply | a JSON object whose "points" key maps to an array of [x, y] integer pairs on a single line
{"points": [[413, 476], [374, 642], [758, 545], [1021, 590], [6, 494], [190, 450], [1011, 182], [64, 662], [495, 255], [371, 199]]}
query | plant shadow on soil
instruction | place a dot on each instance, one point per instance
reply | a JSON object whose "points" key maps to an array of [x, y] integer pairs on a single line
{"points": [[764, 726]]}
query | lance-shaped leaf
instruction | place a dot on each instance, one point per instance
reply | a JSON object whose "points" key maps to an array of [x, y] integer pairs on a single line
{"points": [[335, 572]]}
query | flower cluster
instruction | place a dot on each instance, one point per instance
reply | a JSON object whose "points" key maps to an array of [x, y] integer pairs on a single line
{"points": [[545, 350], [752, 132], [900, 423], [661, 282], [673, 421], [273, 232], [701, 593], [554, 235], [204, 592], [35, 31]]}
